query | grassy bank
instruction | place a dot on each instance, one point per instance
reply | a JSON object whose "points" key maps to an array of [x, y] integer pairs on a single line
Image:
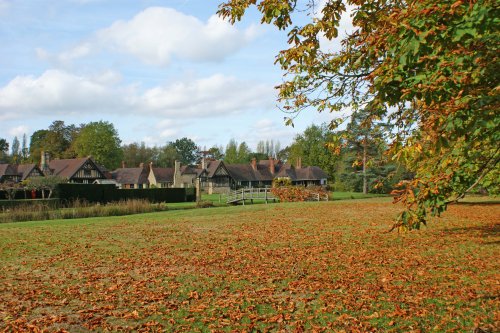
{"points": [[324, 266]]}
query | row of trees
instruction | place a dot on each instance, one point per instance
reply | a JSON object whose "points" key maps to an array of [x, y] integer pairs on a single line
{"points": [[99, 139], [358, 165]]}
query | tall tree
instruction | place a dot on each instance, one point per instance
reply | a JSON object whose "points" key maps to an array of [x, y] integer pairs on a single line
{"points": [[187, 151], [99, 140], [24, 148], [231, 155], [4, 149], [165, 156], [57, 140], [16, 150], [311, 148], [364, 139], [243, 155], [216, 153], [136, 153], [430, 66]]}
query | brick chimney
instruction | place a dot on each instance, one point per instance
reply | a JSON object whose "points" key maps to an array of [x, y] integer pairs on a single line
{"points": [[203, 163], [271, 164], [254, 164], [44, 161], [299, 163], [177, 174]]}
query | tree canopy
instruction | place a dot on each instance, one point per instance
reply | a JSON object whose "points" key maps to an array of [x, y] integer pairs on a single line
{"points": [[187, 151], [99, 140], [429, 67]]}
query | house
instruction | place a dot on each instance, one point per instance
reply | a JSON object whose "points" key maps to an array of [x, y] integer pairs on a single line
{"points": [[307, 176], [131, 178], [160, 177], [218, 177], [77, 170], [8, 173], [18, 172], [215, 177], [185, 176]]}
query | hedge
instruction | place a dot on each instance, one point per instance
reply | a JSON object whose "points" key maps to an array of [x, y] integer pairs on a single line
{"points": [[109, 193]]}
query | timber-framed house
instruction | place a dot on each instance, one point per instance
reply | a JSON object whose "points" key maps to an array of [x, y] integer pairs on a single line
{"points": [[77, 170]]}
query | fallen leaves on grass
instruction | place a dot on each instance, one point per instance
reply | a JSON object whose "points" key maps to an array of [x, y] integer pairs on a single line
{"points": [[314, 267]]}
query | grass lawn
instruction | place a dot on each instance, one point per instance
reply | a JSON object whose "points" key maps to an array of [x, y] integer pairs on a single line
{"points": [[303, 267]]}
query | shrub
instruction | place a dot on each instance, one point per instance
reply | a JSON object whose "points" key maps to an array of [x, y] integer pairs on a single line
{"points": [[298, 193], [204, 204]]}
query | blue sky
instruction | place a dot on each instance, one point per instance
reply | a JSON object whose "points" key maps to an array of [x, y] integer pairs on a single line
{"points": [[157, 70]]}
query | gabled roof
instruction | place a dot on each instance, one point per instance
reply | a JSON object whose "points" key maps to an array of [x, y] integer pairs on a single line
{"points": [[164, 175], [67, 168], [245, 172], [306, 173], [7, 170], [213, 166], [186, 169], [131, 175], [24, 170], [310, 173]]}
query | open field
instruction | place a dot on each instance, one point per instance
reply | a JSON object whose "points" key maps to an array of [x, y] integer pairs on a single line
{"points": [[318, 266]]}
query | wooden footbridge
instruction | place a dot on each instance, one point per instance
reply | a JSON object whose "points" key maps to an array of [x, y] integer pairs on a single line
{"points": [[250, 194], [262, 194]]}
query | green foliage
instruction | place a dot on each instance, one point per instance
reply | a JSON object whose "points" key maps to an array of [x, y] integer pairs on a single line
{"points": [[47, 183], [99, 140], [216, 153], [56, 140], [187, 151], [231, 155], [4, 148], [237, 153], [282, 181], [429, 67], [136, 153], [312, 148], [243, 153]]}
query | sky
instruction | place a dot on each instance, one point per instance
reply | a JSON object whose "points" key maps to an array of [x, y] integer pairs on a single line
{"points": [[157, 70]]}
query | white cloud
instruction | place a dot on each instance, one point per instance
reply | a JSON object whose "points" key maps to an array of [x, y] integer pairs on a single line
{"points": [[19, 131], [158, 34], [210, 96], [58, 92], [267, 129]]}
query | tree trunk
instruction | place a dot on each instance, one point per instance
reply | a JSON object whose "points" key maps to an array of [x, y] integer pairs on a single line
{"points": [[365, 185]]}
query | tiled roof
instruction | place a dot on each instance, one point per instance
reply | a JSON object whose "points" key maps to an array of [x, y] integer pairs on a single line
{"points": [[310, 173], [186, 169], [306, 173], [131, 175], [66, 168], [7, 170], [164, 175], [245, 172], [24, 170], [20, 170], [212, 167]]}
